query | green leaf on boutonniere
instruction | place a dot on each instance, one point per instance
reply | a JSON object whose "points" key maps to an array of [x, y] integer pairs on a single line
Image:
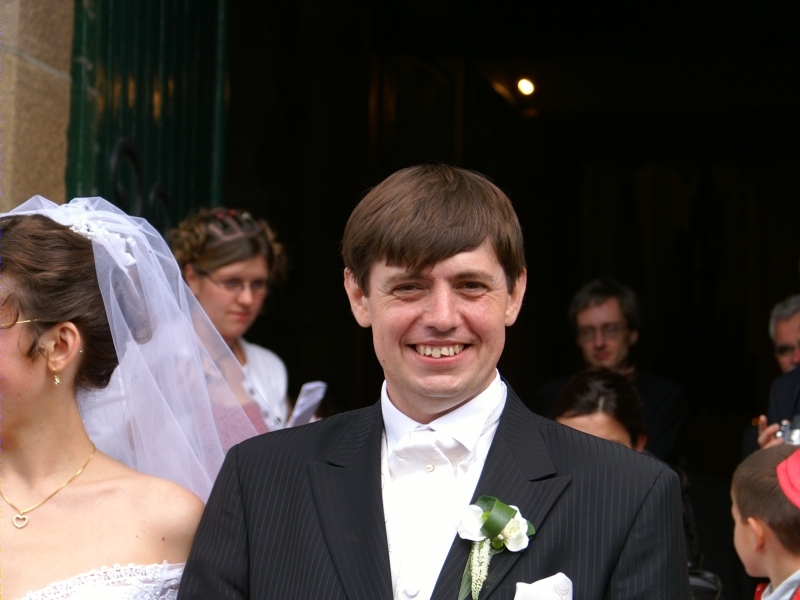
{"points": [[492, 527], [496, 516], [466, 582]]}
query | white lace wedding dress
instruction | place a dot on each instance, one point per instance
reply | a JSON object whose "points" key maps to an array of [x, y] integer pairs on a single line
{"points": [[131, 582]]}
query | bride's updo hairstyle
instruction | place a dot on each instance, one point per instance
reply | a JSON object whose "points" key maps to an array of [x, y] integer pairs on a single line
{"points": [[47, 272], [216, 237]]}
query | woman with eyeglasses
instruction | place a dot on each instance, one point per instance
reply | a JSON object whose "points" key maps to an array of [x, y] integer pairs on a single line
{"points": [[119, 404], [229, 259]]}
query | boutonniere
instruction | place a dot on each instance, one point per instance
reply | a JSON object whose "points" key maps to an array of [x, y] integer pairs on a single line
{"points": [[491, 526]]}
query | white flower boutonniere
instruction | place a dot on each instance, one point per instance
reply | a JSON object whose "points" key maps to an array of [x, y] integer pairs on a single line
{"points": [[491, 526]]}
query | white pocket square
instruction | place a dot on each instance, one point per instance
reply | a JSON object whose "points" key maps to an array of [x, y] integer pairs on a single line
{"points": [[557, 587]]}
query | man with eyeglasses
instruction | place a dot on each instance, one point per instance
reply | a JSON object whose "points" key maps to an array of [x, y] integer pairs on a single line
{"points": [[606, 318]]}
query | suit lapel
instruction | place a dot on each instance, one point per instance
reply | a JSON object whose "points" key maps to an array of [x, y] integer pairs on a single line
{"points": [[349, 502], [518, 471]]}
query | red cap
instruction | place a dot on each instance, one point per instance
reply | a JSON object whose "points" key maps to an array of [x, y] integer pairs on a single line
{"points": [[789, 478]]}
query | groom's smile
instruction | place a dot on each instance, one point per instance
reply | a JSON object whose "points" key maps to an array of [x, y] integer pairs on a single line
{"points": [[435, 266], [438, 333]]}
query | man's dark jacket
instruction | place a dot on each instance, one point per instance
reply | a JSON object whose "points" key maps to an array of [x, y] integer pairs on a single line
{"points": [[298, 514], [784, 397]]}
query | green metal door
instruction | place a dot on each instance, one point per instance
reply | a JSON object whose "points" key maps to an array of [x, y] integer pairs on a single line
{"points": [[148, 104]]}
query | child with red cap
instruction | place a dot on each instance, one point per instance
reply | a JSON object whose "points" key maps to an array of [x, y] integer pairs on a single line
{"points": [[766, 514]]}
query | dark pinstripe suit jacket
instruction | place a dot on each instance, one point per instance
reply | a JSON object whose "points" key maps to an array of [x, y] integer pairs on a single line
{"points": [[298, 514]]}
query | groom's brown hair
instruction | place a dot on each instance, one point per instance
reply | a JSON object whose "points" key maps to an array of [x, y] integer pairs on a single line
{"points": [[421, 215]]}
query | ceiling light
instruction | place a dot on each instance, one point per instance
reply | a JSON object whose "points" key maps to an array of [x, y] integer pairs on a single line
{"points": [[525, 86]]}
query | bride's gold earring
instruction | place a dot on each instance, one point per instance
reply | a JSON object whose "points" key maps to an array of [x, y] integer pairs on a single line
{"points": [[56, 378]]}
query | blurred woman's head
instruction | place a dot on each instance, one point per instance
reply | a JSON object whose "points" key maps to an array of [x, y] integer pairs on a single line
{"points": [[604, 404], [48, 277], [229, 260]]}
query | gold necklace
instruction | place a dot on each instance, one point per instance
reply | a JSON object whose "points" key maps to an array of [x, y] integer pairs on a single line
{"points": [[20, 520]]}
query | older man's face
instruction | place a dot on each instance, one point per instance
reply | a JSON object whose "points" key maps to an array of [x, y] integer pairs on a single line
{"points": [[787, 343], [438, 333]]}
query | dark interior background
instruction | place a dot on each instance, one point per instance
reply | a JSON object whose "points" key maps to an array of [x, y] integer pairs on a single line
{"points": [[660, 147]]}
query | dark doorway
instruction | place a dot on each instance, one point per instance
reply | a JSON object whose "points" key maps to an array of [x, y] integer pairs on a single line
{"points": [[658, 147]]}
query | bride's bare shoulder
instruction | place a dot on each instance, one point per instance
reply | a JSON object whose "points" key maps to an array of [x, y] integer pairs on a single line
{"points": [[164, 501], [160, 511]]}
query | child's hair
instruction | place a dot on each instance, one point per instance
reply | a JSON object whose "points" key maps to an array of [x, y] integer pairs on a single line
{"points": [[758, 494]]}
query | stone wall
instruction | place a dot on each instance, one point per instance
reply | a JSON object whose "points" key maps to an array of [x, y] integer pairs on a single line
{"points": [[36, 38]]}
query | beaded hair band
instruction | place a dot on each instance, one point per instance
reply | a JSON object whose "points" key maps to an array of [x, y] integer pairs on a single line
{"points": [[232, 220], [789, 478], [233, 213]]}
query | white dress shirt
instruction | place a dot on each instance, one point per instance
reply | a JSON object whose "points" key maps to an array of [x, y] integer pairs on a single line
{"points": [[429, 474]]}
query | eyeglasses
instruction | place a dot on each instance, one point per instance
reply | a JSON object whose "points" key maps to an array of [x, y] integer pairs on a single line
{"points": [[235, 286], [786, 349], [7, 325], [609, 331]]}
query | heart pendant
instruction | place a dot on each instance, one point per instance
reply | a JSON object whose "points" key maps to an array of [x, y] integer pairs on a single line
{"points": [[20, 521]]}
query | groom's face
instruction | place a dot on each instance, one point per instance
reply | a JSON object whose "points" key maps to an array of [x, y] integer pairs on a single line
{"points": [[438, 333]]}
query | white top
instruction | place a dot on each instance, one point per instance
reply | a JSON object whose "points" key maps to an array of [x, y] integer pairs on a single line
{"points": [[131, 582], [429, 474], [266, 382], [785, 590]]}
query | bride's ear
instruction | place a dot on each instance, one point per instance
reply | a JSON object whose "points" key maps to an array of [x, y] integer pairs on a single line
{"points": [[62, 345]]}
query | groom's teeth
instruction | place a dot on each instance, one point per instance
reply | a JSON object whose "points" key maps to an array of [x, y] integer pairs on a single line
{"points": [[439, 351]]}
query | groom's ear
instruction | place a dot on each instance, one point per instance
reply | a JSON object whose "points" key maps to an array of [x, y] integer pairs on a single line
{"points": [[515, 298], [359, 302]]}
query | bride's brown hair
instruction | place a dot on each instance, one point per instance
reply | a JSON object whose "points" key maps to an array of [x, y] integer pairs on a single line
{"points": [[47, 273]]}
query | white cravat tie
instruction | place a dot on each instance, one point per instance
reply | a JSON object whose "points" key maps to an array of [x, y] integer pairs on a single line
{"points": [[429, 473], [424, 448]]}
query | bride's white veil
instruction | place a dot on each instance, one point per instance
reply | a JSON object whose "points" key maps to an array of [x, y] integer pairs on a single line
{"points": [[172, 407]]}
